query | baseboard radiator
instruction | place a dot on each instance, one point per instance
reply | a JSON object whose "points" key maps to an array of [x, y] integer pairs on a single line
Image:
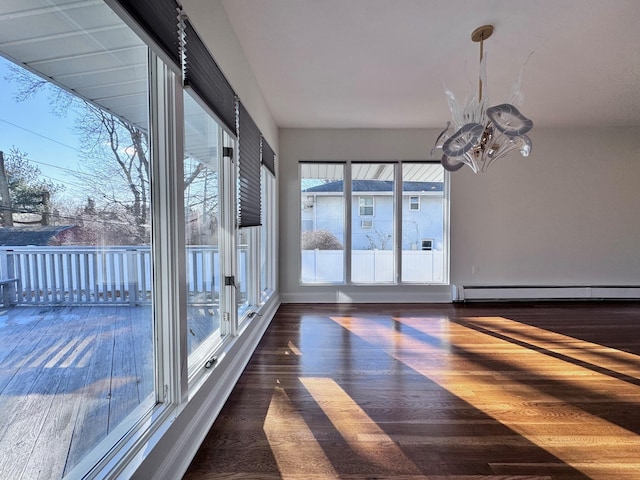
{"points": [[476, 293]]}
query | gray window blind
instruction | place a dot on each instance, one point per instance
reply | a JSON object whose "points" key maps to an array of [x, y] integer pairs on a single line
{"points": [[159, 18], [268, 157], [202, 73], [248, 168]]}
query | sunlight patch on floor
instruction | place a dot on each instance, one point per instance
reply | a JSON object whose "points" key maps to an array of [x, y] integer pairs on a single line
{"points": [[285, 429], [363, 434], [476, 384]]}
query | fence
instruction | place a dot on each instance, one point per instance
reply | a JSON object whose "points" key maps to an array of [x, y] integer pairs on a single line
{"points": [[99, 275], [372, 266]]}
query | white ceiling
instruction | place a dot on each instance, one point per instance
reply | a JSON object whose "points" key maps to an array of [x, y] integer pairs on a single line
{"points": [[384, 63]]}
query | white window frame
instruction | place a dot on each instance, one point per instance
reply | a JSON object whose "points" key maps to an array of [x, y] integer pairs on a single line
{"points": [[268, 249], [399, 196], [364, 198], [412, 203]]}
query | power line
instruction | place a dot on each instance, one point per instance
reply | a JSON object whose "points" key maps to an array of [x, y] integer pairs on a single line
{"points": [[40, 135]]}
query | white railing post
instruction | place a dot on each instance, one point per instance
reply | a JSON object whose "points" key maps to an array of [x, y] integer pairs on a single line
{"points": [[132, 273]]}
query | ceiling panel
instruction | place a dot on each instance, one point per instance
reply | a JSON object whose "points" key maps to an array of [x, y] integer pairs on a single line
{"points": [[82, 46]]}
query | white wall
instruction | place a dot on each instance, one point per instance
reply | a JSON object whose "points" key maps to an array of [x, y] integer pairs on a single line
{"points": [[567, 215]]}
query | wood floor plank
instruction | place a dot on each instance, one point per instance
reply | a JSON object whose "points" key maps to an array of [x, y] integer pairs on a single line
{"points": [[487, 391]]}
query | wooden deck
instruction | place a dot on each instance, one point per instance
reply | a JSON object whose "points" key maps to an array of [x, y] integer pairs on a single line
{"points": [[440, 392], [68, 376]]}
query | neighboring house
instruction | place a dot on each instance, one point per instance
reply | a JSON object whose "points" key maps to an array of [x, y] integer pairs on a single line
{"points": [[35, 235], [372, 213]]}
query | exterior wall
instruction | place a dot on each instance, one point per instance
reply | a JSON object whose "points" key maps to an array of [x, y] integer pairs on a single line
{"points": [[426, 223], [423, 224], [380, 235], [327, 214]]}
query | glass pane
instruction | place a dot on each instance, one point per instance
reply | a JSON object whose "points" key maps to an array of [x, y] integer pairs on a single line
{"points": [[201, 204], [267, 234], [423, 210], [322, 222], [76, 325], [247, 279], [372, 223]]}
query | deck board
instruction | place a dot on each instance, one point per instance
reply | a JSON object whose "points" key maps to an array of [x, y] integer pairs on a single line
{"points": [[68, 376]]}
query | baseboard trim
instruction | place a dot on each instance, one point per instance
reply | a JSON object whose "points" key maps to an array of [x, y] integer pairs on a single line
{"points": [[367, 297], [470, 293]]}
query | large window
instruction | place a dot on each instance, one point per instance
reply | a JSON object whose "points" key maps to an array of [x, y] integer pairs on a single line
{"points": [[323, 223], [423, 223], [397, 227], [202, 137], [76, 328], [121, 260], [372, 244]]}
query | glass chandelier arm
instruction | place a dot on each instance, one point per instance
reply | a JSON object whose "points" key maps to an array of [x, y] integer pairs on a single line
{"points": [[509, 120], [516, 95], [451, 165], [506, 145], [463, 140], [441, 139]]}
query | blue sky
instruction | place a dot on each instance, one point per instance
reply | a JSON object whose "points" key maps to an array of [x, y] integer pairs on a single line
{"points": [[31, 127]]}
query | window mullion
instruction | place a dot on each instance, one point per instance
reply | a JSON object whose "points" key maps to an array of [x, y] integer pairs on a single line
{"points": [[348, 200], [228, 249], [399, 187], [168, 242]]}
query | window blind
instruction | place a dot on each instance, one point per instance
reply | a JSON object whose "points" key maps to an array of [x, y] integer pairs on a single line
{"points": [[159, 18], [249, 169], [268, 157], [203, 75]]}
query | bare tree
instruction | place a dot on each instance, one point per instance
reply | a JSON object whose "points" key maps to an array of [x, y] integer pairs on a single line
{"points": [[115, 164]]}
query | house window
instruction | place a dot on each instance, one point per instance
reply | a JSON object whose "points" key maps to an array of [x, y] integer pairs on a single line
{"points": [[366, 206], [402, 238], [366, 223]]}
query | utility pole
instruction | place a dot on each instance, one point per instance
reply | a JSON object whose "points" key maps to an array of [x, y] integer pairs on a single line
{"points": [[5, 201]]}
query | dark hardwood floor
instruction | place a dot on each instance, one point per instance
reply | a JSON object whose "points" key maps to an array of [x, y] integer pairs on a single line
{"points": [[470, 392]]}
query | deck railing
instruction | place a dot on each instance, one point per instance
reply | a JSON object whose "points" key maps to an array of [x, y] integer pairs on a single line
{"points": [[100, 275]]}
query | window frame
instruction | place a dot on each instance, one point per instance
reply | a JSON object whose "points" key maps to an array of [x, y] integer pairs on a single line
{"points": [[398, 197], [362, 206]]}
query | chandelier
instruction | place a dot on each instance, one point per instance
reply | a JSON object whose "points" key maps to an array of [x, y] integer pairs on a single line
{"points": [[481, 134]]}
